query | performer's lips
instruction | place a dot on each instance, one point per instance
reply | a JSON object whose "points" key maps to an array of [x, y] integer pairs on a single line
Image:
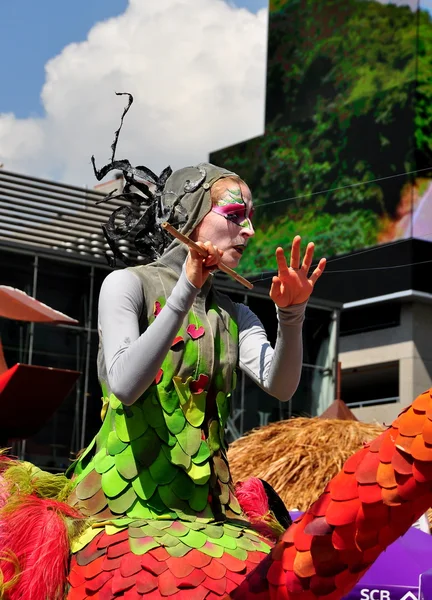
{"points": [[240, 248]]}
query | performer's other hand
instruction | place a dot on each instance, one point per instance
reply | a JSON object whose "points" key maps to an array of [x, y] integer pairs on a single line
{"points": [[292, 285], [199, 268]]}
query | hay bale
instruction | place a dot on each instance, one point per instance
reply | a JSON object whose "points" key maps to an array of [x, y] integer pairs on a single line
{"points": [[299, 456]]}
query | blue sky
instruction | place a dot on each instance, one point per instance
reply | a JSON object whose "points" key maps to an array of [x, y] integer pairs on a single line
{"points": [[32, 32]]}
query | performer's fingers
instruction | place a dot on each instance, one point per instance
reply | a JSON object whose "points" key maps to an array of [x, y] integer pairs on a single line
{"points": [[275, 289], [308, 257], [281, 260], [295, 253], [318, 271]]}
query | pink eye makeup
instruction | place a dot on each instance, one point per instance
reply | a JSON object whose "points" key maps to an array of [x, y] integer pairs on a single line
{"points": [[232, 207]]}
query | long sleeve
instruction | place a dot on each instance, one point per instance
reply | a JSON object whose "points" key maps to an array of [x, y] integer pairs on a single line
{"points": [[133, 359], [277, 371]]}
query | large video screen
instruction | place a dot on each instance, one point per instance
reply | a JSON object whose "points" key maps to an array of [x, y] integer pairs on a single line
{"points": [[346, 158]]}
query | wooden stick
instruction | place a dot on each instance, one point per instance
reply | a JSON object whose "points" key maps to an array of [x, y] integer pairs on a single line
{"points": [[183, 238]]}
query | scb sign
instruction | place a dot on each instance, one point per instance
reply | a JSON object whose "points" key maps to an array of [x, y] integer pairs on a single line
{"points": [[393, 594]]}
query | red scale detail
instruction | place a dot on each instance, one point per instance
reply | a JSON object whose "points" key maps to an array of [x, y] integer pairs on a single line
{"points": [[235, 577], [412, 423], [218, 586], [130, 564], [131, 595], [367, 469], [121, 584], [404, 443], [427, 431], [343, 487], [387, 447], [422, 471], [230, 586], [153, 595], [77, 593], [106, 592], [343, 537], [193, 580], [215, 570], [375, 444], [94, 568], [319, 508], [152, 565], [342, 513], [105, 540], [420, 450], [110, 564], [288, 558], [146, 582], [95, 584], [353, 462], [179, 567], [197, 594], [119, 549], [276, 574], [197, 559], [235, 564], [292, 582], [167, 584], [160, 554], [370, 494], [402, 462], [76, 576], [254, 558], [375, 514]]}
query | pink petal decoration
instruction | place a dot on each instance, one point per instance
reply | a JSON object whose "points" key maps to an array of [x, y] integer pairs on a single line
{"points": [[197, 385], [157, 308], [195, 332]]}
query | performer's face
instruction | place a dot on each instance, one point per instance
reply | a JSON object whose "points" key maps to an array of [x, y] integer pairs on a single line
{"points": [[228, 225]]}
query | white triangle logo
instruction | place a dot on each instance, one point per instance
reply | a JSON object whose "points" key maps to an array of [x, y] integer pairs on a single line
{"points": [[409, 596]]}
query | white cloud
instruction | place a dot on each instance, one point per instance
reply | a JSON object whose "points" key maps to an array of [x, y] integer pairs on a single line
{"points": [[413, 4], [196, 69]]}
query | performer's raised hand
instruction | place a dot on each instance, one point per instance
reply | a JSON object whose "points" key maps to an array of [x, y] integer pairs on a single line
{"points": [[292, 285]]}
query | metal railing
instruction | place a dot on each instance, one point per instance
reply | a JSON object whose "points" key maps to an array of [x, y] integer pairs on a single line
{"points": [[55, 216], [376, 402]]}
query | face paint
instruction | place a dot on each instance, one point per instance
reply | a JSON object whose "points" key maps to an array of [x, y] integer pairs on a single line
{"points": [[232, 207]]}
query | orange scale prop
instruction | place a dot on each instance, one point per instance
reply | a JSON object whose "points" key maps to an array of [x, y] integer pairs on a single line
{"points": [[343, 537], [149, 563], [420, 450], [370, 494], [303, 565], [215, 570], [388, 445], [422, 471], [354, 461], [342, 513], [320, 506], [343, 487], [218, 586], [367, 469], [427, 431], [402, 462], [130, 565], [121, 584], [386, 476], [94, 585], [422, 402], [412, 423], [167, 584], [404, 443], [193, 580]]}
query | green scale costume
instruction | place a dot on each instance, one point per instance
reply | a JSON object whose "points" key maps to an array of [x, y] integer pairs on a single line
{"points": [[157, 470]]}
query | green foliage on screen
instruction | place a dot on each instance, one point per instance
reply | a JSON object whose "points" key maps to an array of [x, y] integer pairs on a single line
{"points": [[349, 100]]}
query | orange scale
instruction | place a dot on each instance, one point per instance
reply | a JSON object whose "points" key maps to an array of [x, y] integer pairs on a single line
{"points": [[408, 487], [134, 594], [235, 564], [105, 540], [343, 537], [402, 462], [198, 593], [215, 570], [254, 557], [351, 465], [429, 411], [76, 577], [279, 551], [388, 445], [427, 431], [197, 559], [77, 593], [150, 564], [367, 469], [370, 494], [412, 423], [303, 565], [230, 586], [344, 487], [420, 450], [391, 496], [179, 567], [404, 443], [319, 508], [159, 554], [422, 471], [323, 551], [386, 476], [422, 402], [288, 536], [342, 513]]}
